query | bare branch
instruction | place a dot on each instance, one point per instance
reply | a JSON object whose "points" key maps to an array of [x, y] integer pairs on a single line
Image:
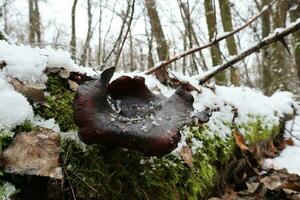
{"points": [[126, 33], [217, 40], [117, 43], [278, 36]]}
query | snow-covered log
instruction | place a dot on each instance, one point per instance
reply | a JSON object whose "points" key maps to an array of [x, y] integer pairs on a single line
{"points": [[96, 171]]}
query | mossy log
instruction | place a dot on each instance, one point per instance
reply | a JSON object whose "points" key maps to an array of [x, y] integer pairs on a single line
{"points": [[107, 172]]}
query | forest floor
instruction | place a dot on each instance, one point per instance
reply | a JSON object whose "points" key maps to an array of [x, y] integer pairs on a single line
{"points": [[279, 176]]}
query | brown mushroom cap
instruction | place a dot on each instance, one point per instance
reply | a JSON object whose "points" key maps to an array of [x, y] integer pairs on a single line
{"points": [[126, 113]]}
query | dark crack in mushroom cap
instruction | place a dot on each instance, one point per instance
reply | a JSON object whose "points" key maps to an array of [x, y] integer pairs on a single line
{"points": [[126, 113]]}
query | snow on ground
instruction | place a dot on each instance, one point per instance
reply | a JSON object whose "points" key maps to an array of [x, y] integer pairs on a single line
{"points": [[14, 107], [289, 158], [28, 64]]}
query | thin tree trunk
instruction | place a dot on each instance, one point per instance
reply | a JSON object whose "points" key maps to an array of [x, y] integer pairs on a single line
{"points": [[37, 22], [295, 14], [73, 37], [31, 22], [162, 45], [150, 61], [211, 22], [5, 17], [132, 66], [266, 54], [279, 65], [99, 35], [34, 23], [231, 44], [88, 35]]}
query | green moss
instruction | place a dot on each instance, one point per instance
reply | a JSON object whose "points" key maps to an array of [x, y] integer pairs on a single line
{"points": [[5, 140], [112, 173], [257, 131], [26, 126], [60, 103], [118, 174]]}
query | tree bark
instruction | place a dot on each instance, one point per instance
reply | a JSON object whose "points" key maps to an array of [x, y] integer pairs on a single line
{"points": [[73, 37], [37, 22], [231, 44], [295, 14], [266, 55], [162, 45], [31, 22], [279, 66], [34, 23], [88, 35], [211, 22]]}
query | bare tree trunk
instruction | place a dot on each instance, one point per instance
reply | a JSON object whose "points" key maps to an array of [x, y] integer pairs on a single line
{"points": [[231, 45], [190, 33], [295, 14], [211, 22], [5, 17], [31, 22], [73, 37], [266, 54], [162, 45], [34, 23], [132, 65], [88, 35], [100, 35], [37, 22], [150, 61], [278, 62]]}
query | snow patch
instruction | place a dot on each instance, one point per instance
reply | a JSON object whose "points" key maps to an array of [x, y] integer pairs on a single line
{"points": [[14, 107]]}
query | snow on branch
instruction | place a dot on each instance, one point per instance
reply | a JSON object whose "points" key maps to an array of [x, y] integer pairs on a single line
{"points": [[217, 40], [278, 35]]}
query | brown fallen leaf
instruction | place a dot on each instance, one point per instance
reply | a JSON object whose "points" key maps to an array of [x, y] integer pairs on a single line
{"points": [[33, 93], [289, 141], [34, 153], [252, 187], [73, 85], [239, 140], [187, 155], [295, 197], [271, 182], [64, 73]]}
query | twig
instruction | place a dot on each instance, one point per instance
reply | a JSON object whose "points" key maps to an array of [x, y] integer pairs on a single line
{"points": [[265, 42], [293, 123], [294, 136], [85, 183], [73, 193], [217, 40]]}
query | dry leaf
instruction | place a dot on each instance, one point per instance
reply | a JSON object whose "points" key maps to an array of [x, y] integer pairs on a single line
{"points": [[239, 140], [295, 197], [73, 85], [252, 187], [34, 93], [34, 153], [289, 141], [64, 73], [271, 182], [187, 155]]}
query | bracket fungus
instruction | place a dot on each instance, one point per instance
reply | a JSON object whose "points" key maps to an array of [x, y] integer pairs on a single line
{"points": [[126, 113]]}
